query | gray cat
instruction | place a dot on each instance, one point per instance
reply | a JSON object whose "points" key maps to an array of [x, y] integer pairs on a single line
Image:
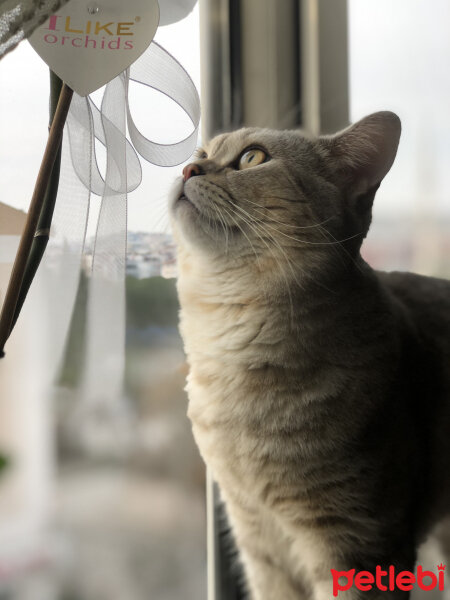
{"points": [[318, 388]]}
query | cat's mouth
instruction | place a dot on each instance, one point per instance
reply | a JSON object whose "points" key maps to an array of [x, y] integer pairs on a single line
{"points": [[179, 198], [183, 199]]}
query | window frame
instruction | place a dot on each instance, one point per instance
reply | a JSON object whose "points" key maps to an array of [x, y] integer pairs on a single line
{"points": [[307, 43]]}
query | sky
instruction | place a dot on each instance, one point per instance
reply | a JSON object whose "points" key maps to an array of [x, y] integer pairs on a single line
{"points": [[399, 57]]}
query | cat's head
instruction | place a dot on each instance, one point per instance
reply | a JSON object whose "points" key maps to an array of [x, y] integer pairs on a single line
{"points": [[270, 196]]}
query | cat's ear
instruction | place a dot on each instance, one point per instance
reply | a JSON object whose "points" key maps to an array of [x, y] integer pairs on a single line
{"points": [[364, 152]]}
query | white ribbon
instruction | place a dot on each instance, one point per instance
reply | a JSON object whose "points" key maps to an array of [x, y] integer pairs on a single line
{"points": [[104, 352]]}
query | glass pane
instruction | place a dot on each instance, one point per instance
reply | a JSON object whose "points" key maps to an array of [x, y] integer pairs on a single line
{"points": [[115, 509], [399, 57]]}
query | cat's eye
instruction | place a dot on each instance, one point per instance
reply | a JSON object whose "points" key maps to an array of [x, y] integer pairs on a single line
{"points": [[200, 154], [251, 158]]}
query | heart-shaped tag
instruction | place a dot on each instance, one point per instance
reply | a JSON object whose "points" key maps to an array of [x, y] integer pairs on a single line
{"points": [[88, 43]]}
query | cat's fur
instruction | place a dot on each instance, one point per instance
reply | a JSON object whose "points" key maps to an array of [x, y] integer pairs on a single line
{"points": [[318, 388]]}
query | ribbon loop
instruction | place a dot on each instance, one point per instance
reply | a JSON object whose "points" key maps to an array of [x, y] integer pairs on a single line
{"points": [[87, 123], [159, 70]]}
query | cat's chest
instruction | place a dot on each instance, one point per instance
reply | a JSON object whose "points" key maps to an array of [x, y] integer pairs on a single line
{"points": [[248, 424], [252, 390], [222, 409]]}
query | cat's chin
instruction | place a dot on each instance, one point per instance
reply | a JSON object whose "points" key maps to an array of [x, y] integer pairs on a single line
{"points": [[183, 200], [188, 222], [197, 228], [177, 195], [186, 215], [184, 212]]}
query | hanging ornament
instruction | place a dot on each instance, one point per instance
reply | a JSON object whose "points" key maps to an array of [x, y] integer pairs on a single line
{"points": [[89, 44]]}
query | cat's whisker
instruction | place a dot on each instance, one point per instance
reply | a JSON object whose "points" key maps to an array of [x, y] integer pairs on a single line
{"points": [[338, 249], [277, 262], [295, 199], [272, 219], [231, 199], [234, 203], [224, 227], [288, 262], [339, 243], [253, 228], [235, 221], [160, 222], [225, 231], [296, 239], [245, 235], [213, 224], [268, 234]]}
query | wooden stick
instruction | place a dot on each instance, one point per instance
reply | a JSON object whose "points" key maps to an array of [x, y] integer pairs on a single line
{"points": [[51, 150]]}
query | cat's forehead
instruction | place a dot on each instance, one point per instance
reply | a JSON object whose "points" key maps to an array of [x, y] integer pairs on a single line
{"points": [[226, 147]]}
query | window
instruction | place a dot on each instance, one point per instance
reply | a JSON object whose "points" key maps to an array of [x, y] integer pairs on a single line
{"points": [[114, 508], [399, 54]]}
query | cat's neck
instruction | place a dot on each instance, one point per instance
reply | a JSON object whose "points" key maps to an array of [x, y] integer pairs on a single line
{"points": [[228, 313]]}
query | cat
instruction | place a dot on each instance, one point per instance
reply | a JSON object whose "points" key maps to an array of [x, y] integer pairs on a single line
{"points": [[318, 388]]}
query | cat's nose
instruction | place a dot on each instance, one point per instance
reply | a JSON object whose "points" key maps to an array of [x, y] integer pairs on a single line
{"points": [[191, 170]]}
